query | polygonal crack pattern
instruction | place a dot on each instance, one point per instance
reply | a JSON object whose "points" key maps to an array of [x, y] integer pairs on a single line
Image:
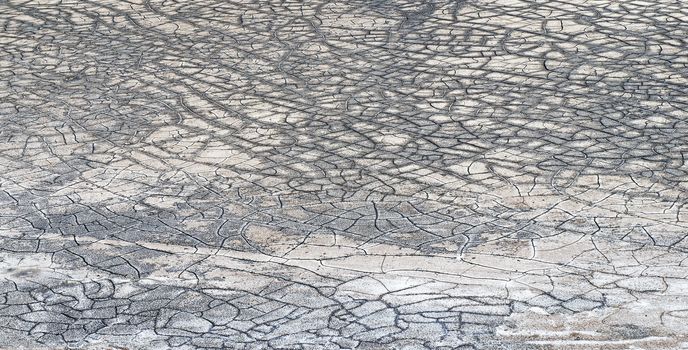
{"points": [[472, 174]]}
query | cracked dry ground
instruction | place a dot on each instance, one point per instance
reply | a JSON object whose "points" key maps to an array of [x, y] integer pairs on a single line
{"points": [[480, 174]]}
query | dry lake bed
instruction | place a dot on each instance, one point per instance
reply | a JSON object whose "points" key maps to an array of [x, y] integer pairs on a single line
{"points": [[474, 174]]}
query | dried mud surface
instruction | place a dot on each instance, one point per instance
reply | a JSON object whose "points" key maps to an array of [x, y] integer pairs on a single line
{"points": [[332, 175]]}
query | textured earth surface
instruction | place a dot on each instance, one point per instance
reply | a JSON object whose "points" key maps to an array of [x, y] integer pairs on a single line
{"points": [[479, 174]]}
